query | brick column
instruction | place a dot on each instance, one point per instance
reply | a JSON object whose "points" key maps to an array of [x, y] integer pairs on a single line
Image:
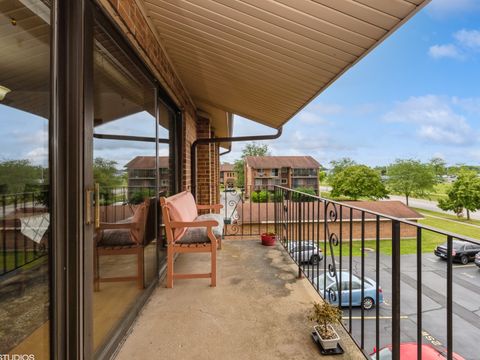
{"points": [[204, 163], [217, 174]]}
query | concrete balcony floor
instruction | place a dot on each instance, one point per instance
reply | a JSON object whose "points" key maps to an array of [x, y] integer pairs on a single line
{"points": [[257, 311]]}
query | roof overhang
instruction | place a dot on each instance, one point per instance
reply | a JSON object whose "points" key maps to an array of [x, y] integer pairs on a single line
{"points": [[265, 60]]}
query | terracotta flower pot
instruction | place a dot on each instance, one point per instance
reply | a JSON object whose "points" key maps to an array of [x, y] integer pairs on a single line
{"points": [[268, 239]]}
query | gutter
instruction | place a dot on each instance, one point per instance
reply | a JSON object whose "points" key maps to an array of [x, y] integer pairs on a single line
{"points": [[205, 141], [225, 152]]}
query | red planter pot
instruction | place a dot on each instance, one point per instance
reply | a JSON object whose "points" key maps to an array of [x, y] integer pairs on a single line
{"points": [[268, 239]]}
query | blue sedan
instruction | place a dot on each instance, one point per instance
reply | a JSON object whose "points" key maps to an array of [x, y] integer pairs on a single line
{"points": [[369, 293]]}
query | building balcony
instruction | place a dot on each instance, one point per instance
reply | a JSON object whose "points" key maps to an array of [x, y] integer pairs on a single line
{"points": [[257, 311]]}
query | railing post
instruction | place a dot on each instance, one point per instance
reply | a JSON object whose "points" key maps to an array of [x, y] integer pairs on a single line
{"points": [[299, 227], [449, 298], [275, 226], [395, 290]]}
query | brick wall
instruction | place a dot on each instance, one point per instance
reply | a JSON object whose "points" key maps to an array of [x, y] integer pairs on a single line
{"points": [[248, 179], [217, 174], [131, 20], [189, 136], [204, 163], [310, 230]]}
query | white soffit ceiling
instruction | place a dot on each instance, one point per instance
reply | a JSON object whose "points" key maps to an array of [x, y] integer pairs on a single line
{"points": [[265, 59]]}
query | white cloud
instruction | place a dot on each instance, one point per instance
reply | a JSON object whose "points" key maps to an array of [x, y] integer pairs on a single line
{"points": [[442, 51], [301, 136], [468, 38], [444, 8], [308, 117], [434, 120], [326, 109], [466, 42], [38, 156], [471, 105]]}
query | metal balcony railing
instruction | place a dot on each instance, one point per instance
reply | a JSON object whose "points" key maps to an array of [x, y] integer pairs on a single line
{"points": [[24, 226], [331, 228]]}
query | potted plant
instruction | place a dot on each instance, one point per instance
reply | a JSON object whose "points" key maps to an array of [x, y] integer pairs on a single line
{"points": [[268, 239], [324, 315]]}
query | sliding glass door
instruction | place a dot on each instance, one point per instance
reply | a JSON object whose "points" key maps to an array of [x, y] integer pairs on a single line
{"points": [[117, 137], [131, 167], [24, 177]]}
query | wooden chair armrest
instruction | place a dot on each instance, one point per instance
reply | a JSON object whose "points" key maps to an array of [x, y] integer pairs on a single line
{"points": [[201, 223], [113, 226], [215, 207]]}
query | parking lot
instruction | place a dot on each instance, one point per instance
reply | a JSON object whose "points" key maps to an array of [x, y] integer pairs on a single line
{"points": [[466, 307]]}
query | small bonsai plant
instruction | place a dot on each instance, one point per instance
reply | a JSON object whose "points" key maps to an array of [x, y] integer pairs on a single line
{"points": [[323, 315]]}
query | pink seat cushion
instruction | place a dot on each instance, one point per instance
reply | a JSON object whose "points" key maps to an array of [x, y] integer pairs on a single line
{"points": [[137, 232], [182, 207]]}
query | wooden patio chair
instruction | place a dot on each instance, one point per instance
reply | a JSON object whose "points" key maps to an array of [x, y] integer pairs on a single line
{"points": [[188, 232], [125, 237]]}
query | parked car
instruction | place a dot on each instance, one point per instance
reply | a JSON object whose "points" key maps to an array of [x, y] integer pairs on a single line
{"points": [[305, 251], [369, 292], [462, 252], [477, 259], [408, 351]]}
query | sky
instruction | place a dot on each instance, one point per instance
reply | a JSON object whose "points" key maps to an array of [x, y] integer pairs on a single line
{"points": [[417, 95]]}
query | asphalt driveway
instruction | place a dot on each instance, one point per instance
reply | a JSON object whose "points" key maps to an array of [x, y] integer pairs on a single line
{"points": [[466, 308]]}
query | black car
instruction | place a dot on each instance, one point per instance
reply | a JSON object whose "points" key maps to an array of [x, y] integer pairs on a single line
{"points": [[462, 252]]}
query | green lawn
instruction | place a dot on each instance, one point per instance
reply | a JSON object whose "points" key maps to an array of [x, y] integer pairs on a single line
{"points": [[447, 216], [409, 246], [451, 226], [10, 256]]}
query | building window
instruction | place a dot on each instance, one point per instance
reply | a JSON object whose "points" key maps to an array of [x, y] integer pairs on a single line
{"points": [[284, 181], [274, 172]]}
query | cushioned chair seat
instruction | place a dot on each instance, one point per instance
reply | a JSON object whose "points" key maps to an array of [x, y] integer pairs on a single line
{"points": [[117, 237], [199, 235], [217, 230]]}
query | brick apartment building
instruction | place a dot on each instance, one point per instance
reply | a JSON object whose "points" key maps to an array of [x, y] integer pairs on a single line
{"points": [[228, 175], [264, 172], [141, 172]]}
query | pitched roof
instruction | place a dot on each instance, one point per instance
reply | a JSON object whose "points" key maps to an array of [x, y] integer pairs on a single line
{"points": [[227, 167], [273, 162], [264, 212], [147, 162]]}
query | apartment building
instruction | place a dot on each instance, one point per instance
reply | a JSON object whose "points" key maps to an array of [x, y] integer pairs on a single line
{"points": [[228, 175], [141, 172], [264, 172]]}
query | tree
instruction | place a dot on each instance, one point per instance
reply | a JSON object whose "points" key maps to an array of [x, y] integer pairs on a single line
{"points": [[251, 149], [464, 194], [339, 165], [382, 170], [17, 175], [358, 181], [105, 173], [410, 177], [322, 176], [439, 167]]}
